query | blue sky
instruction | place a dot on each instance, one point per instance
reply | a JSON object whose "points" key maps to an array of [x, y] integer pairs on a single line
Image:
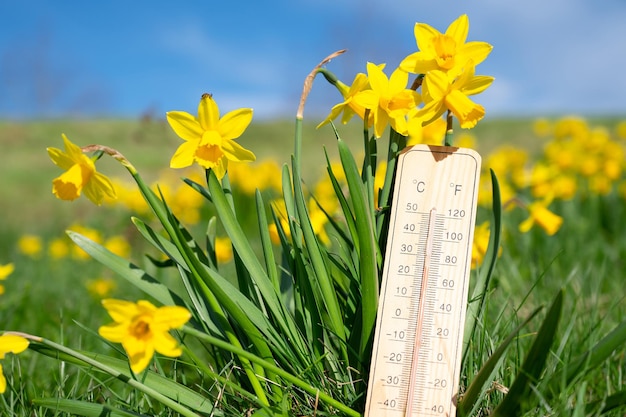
{"points": [[128, 58]]}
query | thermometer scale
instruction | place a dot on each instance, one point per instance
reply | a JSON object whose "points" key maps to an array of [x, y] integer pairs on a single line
{"points": [[418, 339]]}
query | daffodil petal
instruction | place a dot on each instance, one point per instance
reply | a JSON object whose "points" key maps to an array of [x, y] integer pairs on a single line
{"points": [[146, 306], [60, 158], [367, 99], [381, 119], [220, 167], [103, 183], [474, 51], [72, 150], [360, 82], [377, 78], [139, 353], [431, 111], [476, 84], [459, 29], [424, 34], [166, 345], [334, 112], [3, 382], [526, 225], [6, 270], [437, 84], [97, 187], [120, 310], [185, 154], [208, 113], [237, 153], [114, 332], [398, 81], [10, 343], [468, 112], [69, 185], [419, 63], [184, 125], [171, 317], [233, 124]]}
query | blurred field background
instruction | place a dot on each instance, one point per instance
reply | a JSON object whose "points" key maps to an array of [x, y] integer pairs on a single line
{"points": [[62, 71], [55, 290]]}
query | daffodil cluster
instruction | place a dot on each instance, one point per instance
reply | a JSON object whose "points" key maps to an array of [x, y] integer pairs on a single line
{"points": [[445, 68], [577, 161]]}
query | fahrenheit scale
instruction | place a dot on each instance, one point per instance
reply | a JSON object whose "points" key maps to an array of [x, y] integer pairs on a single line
{"points": [[417, 347]]}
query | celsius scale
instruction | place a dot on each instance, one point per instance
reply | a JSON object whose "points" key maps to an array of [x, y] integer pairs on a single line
{"points": [[417, 347]]}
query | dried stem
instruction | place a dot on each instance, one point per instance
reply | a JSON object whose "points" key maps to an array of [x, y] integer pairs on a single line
{"points": [[308, 81]]}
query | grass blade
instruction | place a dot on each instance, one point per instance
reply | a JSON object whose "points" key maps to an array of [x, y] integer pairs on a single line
{"points": [[518, 396], [475, 390], [83, 408]]}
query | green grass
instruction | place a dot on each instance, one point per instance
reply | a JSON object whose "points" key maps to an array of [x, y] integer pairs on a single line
{"points": [[48, 298]]}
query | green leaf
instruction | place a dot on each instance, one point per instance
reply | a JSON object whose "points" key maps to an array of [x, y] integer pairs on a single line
{"points": [[266, 242], [83, 408], [589, 360], [242, 245], [476, 302], [613, 402], [327, 302], [127, 270], [368, 248], [518, 397], [119, 369]]}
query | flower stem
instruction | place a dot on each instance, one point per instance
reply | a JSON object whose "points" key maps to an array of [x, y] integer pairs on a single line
{"points": [[449, 131]]}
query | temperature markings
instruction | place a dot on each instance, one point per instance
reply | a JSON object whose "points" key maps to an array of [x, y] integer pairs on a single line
{"points": [[423, 287]]}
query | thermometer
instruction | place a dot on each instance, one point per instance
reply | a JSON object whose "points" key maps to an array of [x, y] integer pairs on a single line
{"points": [[417, 347]]}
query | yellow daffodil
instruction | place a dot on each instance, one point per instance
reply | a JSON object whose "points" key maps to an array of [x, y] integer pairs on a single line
{"points": [[223, 249], [10, 343], [431, 134], [58, 248], [142, 329], [441, 93], [446, 52], [30, 245], [101, 287], [542, 217], [118, 245], [388, 99], [209, 139], [348, 106], [480, 243], [5, 271], [80, 175]]}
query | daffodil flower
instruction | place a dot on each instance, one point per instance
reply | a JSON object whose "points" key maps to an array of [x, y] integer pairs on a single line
{"points": [[10, 343], [347, 106], [5, 271], [441, 93], [209, 139], [541, 216], [388, 99], [142, 329], [80, 175], [446, 52]]}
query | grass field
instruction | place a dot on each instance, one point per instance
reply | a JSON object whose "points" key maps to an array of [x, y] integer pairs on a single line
{"points": [[48, 295]]}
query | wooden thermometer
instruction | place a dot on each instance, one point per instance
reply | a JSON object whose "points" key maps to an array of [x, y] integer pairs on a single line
{"points": [[416, 357]]}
